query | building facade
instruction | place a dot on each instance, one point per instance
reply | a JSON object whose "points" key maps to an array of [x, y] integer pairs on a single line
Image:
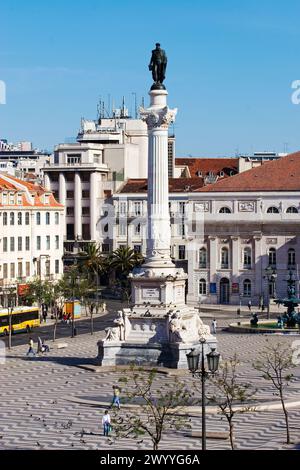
{"points": [[31, 227]]}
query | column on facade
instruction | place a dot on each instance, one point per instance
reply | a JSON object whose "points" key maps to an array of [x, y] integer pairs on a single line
{"points": [[235, 257], [93, 205], [258, 268], [213, 266], [62, 188], [77, 206]]}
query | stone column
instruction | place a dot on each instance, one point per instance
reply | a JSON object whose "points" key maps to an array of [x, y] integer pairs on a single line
{"points": [[213, 265], [93, 205], [158, 117], [235, 258], [47, 182], [258, 288], [62, 189], [77, 206]]}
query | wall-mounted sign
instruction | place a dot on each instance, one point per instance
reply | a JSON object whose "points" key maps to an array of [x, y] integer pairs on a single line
{"points": [[150, 293]]}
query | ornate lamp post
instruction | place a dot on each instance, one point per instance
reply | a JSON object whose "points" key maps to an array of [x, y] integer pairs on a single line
{"points": [[271, 275], [193, 359]]}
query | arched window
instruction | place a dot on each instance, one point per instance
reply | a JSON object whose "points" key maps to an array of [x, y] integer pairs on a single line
{"points": [[273, 210], [38, 218], [224, 258], [27, 218], [56, 218], [292, 210], [202, 258], [19, 218], [247, 258], [4, 218], [12, 218], [272, 257], [247, 288], [47, 218], [202, 287], [224, 210], [291, 257]]}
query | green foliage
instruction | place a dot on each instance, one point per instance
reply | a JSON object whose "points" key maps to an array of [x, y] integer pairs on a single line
{"points": [[161, 406], [124, 259]]}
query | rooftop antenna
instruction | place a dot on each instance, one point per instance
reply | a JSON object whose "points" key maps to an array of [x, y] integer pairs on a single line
{"points": [[135, 104], [123, 107], [109, 110], [285, 147]]}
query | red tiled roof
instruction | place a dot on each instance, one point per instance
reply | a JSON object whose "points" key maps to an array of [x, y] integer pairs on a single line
{"points": [[206, 165], [175, 185], [277, 175]]}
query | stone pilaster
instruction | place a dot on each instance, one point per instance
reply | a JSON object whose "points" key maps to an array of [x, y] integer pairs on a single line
{"points": [[93, 205], [62, 189], [77, 205]]}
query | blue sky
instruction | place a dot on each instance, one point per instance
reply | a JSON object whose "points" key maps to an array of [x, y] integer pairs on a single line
{"points": [[231, 65]]}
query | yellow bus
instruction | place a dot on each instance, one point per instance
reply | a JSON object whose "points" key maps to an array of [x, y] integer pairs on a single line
{"points": [[22, 319]]}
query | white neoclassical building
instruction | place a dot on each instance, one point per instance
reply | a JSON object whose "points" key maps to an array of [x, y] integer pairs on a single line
{"points": [[225, 234], [31, 232]]}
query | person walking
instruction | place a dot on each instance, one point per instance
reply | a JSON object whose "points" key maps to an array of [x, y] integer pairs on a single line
{"points": [[249, 305], [30, 350], [214, 326], [116, 396], [106, 423]]}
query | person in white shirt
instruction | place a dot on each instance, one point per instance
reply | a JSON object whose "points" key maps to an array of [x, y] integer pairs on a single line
{"points": [[106, 423], [214, 326]]}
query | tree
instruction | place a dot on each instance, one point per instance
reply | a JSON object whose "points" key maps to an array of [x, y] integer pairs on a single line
{"points": [[276, 362], [38, 291], [229, 393], [124, 259], [161, 407]]}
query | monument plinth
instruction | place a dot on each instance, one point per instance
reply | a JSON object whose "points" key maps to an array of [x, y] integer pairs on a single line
{"points": [[160, 328]]}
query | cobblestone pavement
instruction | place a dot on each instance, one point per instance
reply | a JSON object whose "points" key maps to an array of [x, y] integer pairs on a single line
{"points": [[36, 413]]}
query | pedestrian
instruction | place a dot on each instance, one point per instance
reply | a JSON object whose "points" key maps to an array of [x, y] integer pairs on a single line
{"points": [[263, 307], [30, 350], [106, 423], [116, 396], [214, 326], [249, 305]]}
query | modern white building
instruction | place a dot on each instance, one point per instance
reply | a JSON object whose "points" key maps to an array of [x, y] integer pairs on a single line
{"points": [[227, 233], [31, 228]]}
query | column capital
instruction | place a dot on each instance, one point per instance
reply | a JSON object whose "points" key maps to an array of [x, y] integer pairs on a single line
{"points": [[156, 118]]}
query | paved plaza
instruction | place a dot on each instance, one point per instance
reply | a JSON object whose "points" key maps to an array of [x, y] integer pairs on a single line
{"points": [[47, 401]]}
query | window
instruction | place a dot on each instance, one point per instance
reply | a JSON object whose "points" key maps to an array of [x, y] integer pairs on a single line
{"points": [[291, 257], [47, 242], [97, 158], [70, 194], [47, 218], [19, 243], [47, 267], [122, 230], [20, 269], [12, 218], [57, 242], [12, 243], [56, 218], [4, 198], [273, 210], [38, 242], [292, 210], [137, 229], [26, 218], [86, 210], [181, 252], [85, 194], [19, 218], [4, 218], [137, 248], [74, 159], [224, 258], [225, 210], [38, 218], [11, 198], [28, 268], [57, 266], [47, 198], [27, 243], [202, 258], [247, 258], [272, 257], [70, 211], [182, 208], [4, 243], [247, 288], [202, 287], [137, 208], [181, 229], [5, 270], [12, 270], [19, 199], [123, 207]]}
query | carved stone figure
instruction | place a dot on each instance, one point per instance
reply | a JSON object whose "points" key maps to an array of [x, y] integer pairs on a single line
{"points": [[121, 325], [177, 328], [112, 334]]}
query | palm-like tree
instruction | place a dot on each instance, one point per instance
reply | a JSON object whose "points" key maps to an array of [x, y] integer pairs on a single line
{"points": [[124, 259], [91, 261]]}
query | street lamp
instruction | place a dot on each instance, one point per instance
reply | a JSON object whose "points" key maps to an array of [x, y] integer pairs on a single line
{"points": [[10, 306], [193, 359], [271, 275]]}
